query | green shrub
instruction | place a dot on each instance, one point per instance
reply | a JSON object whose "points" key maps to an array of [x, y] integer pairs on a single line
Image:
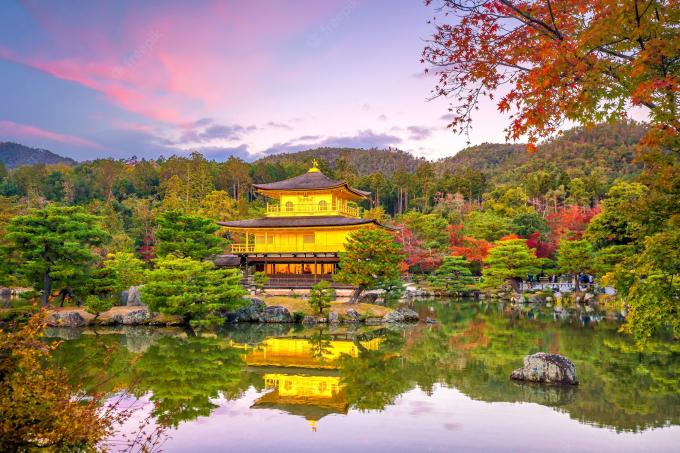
{"points": [[96, 305], [320, 296], [298, 316], [260, 279]]}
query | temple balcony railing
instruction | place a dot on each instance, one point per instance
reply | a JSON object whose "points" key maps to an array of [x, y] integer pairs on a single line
{"points": [[274, 248], [303, 209]]}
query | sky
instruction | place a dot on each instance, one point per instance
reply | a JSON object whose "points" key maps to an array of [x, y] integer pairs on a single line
{"points": [[90, 79]]}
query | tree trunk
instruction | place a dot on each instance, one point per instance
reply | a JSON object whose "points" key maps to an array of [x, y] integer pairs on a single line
{"points": [[358, 344], [355, 295], [47, 289], [577, 288], [514, 285]]}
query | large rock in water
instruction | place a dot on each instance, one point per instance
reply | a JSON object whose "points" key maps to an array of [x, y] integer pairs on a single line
{"points": [[547, 368], [65, 319], [276, 313]]}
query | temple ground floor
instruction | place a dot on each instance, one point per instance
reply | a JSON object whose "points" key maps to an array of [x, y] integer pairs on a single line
{"points": [[288, 270]]}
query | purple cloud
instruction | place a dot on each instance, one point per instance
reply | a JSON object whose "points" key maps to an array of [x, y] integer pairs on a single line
{"points": [[419, 132]]}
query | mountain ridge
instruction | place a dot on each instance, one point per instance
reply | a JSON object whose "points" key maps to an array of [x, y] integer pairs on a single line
{"points": [[15, 155]]}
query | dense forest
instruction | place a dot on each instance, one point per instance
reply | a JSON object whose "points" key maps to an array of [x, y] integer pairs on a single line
{"points": [[572, 207]]}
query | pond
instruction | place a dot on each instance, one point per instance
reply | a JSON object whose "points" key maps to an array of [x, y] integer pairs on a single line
{"points": [[436, 387]]}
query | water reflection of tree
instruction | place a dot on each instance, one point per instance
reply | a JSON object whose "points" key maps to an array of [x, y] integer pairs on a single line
{"points": [[95, 363], [184, 374], [375, 378], [321, 345], [475, 350]]}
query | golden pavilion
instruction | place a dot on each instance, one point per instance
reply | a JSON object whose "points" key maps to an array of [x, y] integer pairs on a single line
{"points": [[303, 231]]}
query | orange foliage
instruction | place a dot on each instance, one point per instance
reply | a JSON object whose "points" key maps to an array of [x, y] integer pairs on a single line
{"points": [[582, 60], [570, 220], [468, 247]]}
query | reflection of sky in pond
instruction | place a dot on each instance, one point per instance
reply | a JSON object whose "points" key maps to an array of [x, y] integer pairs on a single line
{"points": [[445, 421], [441, 387]]}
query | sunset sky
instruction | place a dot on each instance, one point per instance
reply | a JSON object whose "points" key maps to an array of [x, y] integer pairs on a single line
{"points": [[90, 79]]}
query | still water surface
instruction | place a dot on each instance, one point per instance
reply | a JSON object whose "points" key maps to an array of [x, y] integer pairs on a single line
{"points": [[440, 387]]}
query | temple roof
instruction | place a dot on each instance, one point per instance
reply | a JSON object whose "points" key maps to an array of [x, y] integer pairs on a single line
{"points": [[311, 180], [300, 222]]}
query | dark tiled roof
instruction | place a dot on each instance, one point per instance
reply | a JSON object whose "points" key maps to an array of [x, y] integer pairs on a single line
{"points": [[227, 260], [299, 222], [308, 181]]}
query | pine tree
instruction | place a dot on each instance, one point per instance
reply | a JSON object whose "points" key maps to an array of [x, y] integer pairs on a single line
{"points": [[371, 257], [574, 257], [187, 236], [509, 261], [320, 296], [453, 277], [194, 290], [96, 305], [51, 247]]}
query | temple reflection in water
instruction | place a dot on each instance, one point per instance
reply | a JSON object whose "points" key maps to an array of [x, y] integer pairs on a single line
{"points": [[303, 373]]}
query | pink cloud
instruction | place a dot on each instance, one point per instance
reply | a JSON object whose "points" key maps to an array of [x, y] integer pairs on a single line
{"points": [[172, 64], [16, 130]]}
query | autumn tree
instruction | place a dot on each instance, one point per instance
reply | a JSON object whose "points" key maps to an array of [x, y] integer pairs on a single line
{"points": [[39, 408], [417, 258], [473, 250], [576, 60], [371, 257], [52, 247], [510, 261]]}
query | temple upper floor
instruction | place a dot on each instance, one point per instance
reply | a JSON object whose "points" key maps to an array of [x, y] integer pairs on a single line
{"points": [[322, 203], [312, 194]]}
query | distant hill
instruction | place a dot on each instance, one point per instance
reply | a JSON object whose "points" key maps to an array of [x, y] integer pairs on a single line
{"points": [[364, 161], [608, 147], [16, 155]]}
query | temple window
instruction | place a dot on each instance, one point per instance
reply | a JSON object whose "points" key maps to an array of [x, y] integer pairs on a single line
{"points": [[289, 206], [323, 205]]}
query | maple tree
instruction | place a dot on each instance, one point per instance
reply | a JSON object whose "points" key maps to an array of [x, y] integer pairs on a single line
{"points": [[542, 248], [415, 255], [582, 61], [571, 221], [472, 249]]}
